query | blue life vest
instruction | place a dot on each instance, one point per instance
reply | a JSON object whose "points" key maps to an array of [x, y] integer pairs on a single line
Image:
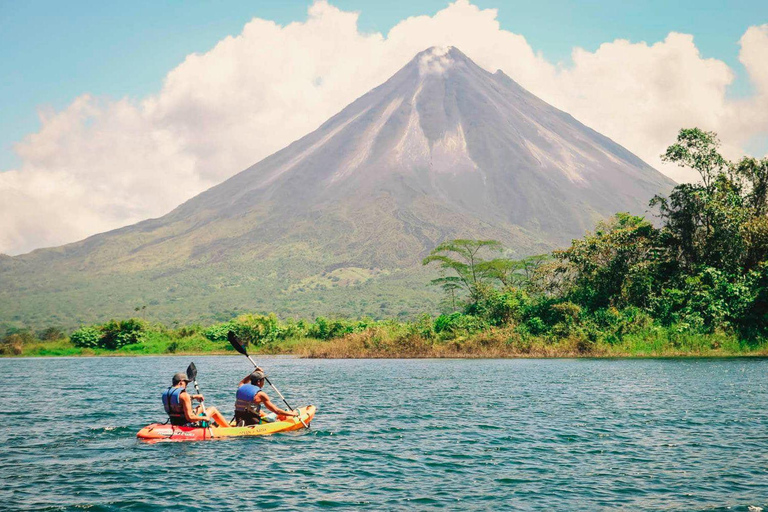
{"points": [[173, 406], [244, 400]]}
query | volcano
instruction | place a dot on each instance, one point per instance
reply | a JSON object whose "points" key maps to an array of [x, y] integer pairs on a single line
{"points": [[338, 221]]}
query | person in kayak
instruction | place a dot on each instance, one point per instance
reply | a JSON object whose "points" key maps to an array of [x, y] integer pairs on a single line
{"points": [[178, 405], [250, 398]]}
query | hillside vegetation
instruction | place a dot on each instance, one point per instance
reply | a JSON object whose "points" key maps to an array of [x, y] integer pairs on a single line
{"points": [[696, 285]]}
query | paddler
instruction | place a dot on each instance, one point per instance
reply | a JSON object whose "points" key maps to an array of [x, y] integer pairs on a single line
{"points": [[250, 398], [178, 404]]}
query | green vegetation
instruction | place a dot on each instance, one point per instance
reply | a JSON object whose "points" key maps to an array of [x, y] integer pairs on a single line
{"points": [[696, 285]]}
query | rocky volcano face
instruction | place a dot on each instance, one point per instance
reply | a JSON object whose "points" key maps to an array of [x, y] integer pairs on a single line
{"points": [[446, 132], [443, 149]]}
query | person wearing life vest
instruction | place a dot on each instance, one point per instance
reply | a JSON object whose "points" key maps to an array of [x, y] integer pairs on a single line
{"points": [[178, 405], [250, 398]]}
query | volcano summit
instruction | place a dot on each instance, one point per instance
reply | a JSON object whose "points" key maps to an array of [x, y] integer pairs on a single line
{"points": [[338, 221]]}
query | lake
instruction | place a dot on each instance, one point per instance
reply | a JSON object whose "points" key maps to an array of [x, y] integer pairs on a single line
{"points": [[396, 434]]}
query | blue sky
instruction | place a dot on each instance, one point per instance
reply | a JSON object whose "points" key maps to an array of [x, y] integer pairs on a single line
{"points": [[53, 51]]}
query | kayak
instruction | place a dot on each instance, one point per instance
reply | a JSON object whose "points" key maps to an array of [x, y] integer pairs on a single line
{"points": [[168, 432]]}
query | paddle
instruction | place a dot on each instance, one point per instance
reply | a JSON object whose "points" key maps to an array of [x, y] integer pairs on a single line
{"points": [[192, 375], [240, 348]]}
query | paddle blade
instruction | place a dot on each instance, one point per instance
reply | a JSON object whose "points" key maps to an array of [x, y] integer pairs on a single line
{"points": [[235, 343], [192, 372]]}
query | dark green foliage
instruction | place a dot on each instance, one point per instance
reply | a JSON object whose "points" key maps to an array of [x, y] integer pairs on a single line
{"points": [[500, 307], [457, 324], [188, 330], [614, 266], [260, 329], [704, 271], [86, 337], [325, 329], [111, 335], [754, 323], [698, 150], [218, 332], [116, 334]]}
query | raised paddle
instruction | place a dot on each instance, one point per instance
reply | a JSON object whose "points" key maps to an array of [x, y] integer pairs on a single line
{"points": [[240, 348], [192, 375]]}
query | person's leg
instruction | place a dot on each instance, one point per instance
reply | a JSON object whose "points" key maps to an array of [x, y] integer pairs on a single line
{"points": [[217, 417]]}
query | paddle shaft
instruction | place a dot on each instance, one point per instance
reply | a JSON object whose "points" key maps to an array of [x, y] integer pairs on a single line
{"points": [[277, 391], [197, 389], [273, 386]]}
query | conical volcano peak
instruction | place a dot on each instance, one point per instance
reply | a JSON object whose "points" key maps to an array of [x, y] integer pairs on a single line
{"points": [[435, 60], [439, 59], [444, 149], [475, 142]]}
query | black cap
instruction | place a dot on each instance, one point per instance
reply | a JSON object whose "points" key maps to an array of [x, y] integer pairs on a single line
{"points": [[180, 377]]}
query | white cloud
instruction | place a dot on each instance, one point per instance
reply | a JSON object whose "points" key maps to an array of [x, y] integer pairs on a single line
{"points": [[100, 164]]}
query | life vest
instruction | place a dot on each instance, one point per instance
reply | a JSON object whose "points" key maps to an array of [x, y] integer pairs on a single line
{"points": [[244, 400], [173, 406]]}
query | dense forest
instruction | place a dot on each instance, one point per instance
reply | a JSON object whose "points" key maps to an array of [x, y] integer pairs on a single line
{"points": [[691, 280]]}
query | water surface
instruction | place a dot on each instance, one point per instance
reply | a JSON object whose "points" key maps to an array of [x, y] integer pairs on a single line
{"points": [[396, 434]]}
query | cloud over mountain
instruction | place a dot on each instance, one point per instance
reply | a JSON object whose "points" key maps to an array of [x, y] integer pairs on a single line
{"points": [[103, 163]]}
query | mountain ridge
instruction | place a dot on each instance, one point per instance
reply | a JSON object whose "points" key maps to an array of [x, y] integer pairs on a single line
{"points": [[443, 149]]}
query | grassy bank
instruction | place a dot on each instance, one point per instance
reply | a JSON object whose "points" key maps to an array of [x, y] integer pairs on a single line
{"points": [[391, 339]]}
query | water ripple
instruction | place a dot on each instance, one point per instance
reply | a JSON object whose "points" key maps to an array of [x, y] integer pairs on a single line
{"points": [[423, 434]]}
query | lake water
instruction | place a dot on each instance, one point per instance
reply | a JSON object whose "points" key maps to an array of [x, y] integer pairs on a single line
{"points": [[396, 434]]}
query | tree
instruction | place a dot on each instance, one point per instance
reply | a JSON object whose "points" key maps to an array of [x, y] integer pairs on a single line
{"points": [[507, 271], [51, 334], [702, 222], [754, 176], [609, 264], [698, 150], [465, 259], [450, 285]]}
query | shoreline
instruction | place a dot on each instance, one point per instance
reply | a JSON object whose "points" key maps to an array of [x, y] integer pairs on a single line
{"points": [[408, 342], [712, 354]]}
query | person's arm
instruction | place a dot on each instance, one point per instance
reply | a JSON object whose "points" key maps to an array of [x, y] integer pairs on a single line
{"points": [[189, 414], [272, 407], [247, 378]]}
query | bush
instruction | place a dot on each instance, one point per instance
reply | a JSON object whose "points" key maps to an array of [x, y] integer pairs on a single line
{"points": [[116, 334], [218, 333], [499, 308], [259, 329], [187, 331], [424, 327], [86, 337], [456, 324], [535, 325], [12, 344], [325, 329]]}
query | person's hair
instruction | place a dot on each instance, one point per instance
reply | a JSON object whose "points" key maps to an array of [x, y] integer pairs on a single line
{"points": [[254, 380]]}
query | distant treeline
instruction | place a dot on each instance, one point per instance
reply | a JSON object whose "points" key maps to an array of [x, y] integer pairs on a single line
{"points": [[697, 284]]}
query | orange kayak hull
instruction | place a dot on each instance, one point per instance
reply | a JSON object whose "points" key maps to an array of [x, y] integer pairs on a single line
{"points": [[167, 432]]}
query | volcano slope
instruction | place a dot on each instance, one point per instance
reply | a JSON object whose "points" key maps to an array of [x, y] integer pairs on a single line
{"points": [[338, 221]]}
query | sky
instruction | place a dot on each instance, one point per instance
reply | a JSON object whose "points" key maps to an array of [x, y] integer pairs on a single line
{"points": [[113, 112]]}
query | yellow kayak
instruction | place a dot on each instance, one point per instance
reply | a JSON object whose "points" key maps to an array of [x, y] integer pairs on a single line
{"points": [[168, 432]]}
